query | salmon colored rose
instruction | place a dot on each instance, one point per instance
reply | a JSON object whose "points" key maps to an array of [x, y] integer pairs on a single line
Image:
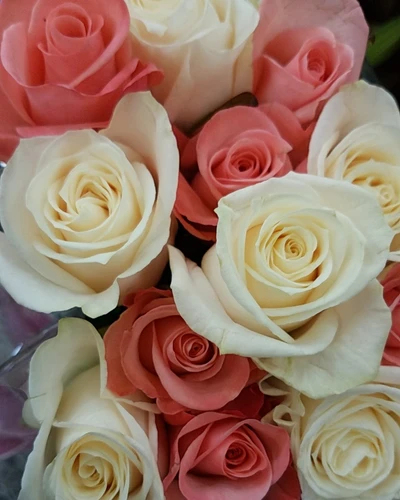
{"points": [[238, 147], [64, 65], [225, 457], [391, 293], [152, 349], [305, 50]]}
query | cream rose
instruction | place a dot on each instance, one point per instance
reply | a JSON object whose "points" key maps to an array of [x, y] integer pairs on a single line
{"points": [[203, 47], [357, 139], [345, 446], [291, 282], [87, 215], [90, 444]]}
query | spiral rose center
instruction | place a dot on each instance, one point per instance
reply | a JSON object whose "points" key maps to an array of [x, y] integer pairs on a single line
{"points": [[235, 455], [72, 27], [259, 155], [93, 468], [193, 352], [384, 183], [317, 64], [243, 457]]}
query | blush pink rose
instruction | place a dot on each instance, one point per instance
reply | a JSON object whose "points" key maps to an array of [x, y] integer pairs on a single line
{"points": [[304, 50], [391, 294], [151, 348], [225, 457], [236, 148], [64, 64]]}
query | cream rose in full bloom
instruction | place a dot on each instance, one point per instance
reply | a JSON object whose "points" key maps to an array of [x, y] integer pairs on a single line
{"points": [[202, 46], [90, 444], [344, 446], [87, 215], [291, 282], [357, 139]]}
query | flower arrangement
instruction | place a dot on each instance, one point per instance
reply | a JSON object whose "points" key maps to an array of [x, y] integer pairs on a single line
{"points": [[216, 170]]}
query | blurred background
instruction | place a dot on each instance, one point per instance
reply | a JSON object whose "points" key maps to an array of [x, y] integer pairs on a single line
{"points": [[383, 54]]}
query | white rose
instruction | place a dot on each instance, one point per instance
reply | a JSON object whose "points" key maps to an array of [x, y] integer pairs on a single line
{"points": [[90, 444], [357, 139], [291, 282], [345, 446], [87, 215], [203, 48]]}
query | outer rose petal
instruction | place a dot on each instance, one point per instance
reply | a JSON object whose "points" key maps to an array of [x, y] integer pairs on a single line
{"points": [[287, 488], [155, 141], [10, 121], [352, 358], [192, 213]]}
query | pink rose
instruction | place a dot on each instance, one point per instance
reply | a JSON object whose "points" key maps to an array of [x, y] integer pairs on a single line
{"points": [[151, 348], [236, 148], [64, 65], [391, 294], [225, 457], [305, 50]]}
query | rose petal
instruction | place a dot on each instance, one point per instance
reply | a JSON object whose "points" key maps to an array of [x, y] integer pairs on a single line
{"points": [[352, 358]]}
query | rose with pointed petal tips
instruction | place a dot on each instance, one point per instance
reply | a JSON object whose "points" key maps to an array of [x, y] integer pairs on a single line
{"points": [[64, 65], [238, 147], [87, 215], [344, 446], [90, 443], [304, 50], [226, 457], [151, 348], [291, 282], [204, 51], [356, 139]]}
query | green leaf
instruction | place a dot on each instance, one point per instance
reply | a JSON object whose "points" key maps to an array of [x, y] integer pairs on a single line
{"points": [[385, 42]]}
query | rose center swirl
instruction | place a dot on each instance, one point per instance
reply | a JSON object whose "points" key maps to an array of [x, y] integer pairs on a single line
{"points": [[193, 353]]}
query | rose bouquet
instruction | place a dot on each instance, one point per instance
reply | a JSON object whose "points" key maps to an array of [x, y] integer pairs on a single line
{"points": [[213, 174]]}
